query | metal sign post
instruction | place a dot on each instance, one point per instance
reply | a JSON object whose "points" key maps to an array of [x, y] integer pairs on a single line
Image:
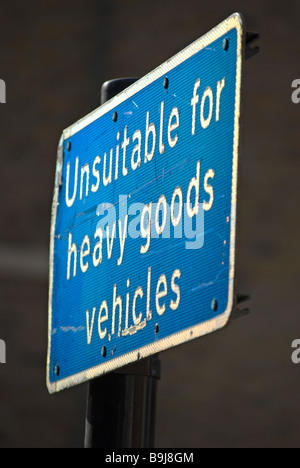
{"points": [[121, 406]]}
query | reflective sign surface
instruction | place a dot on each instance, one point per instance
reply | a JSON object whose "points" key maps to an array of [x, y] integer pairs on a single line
{"points": [[144, 214]]}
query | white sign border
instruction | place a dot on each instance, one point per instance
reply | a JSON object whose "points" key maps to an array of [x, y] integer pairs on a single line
{"points": [[235, 21]]}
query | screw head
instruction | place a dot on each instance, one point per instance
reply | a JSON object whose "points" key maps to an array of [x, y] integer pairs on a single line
{"points": [[166, 82], [56, 370], [225, 44], [69, 146], [115, 116], [103, 351], [214, 305], [156, 328]]}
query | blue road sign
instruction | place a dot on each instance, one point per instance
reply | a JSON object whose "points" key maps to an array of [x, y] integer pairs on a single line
{"points": [[143, 229]]}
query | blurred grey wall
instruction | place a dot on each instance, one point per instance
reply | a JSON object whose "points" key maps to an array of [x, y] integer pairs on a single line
{"points": [[235, 388]]}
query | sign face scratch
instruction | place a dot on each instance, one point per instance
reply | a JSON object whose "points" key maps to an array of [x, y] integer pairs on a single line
{"points": [[142, 250]]}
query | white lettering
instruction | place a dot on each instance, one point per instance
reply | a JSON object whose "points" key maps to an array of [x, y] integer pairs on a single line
{"points": [[149, 129], [124, 145], [96, 174], [194, 102], [175, 288], [137, 150], [194, 183], [208, 189], [208, 94], [161, 293], [220, 87], [72, 250], [122, 235], [101, 319], [146, 231], [70, 201], [89, 329], [173, 126], [84, 253], [161, 202], [138, 293], [85, 170], [161, 144]]}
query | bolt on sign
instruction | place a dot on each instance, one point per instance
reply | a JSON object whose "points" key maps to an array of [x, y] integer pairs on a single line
{"points": [[142, 252]]}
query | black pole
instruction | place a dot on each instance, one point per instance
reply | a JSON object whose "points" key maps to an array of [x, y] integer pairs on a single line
{"points": [[121, 405]]}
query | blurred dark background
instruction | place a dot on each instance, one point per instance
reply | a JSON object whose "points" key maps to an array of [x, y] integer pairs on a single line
{"points": [[235, 388]]}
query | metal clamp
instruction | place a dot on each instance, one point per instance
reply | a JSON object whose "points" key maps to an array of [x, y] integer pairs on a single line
{"points": [[237, 312], [148, 367], [251, 51]]}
